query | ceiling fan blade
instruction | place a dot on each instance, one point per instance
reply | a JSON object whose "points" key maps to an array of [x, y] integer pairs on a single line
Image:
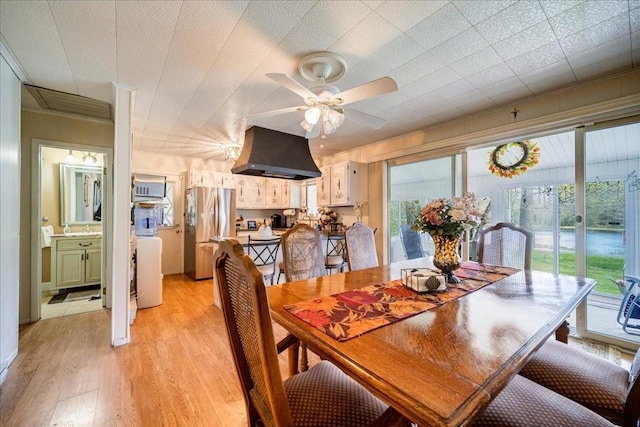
{"points": [[292, 85], [368, 90], [365, 119], [275, 112]]}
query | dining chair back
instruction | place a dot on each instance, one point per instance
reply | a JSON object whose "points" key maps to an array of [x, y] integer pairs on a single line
{"points": [[321, 396], [629, 312], [506, 245], [302, 253], [590, 380], [264, 252], [411, 243], [361, 247]]}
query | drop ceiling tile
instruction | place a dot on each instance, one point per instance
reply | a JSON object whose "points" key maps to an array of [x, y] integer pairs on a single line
{"points": [[425, 63], [201, 32], [43, 42], [87, 31], [549, 78], [370, 34], [460, 46], [472, 64], [478, 11], [586, 15], [451, 91], [373, 4], [145, 31], [554, 7], [600, 60], [511, 20], [305, 39], [490, 76], [525, 41], [538, 58], [336, 17], [503, 88], [435, 80], [298, 7], [634, 19], [515, 94], [472, 102], [396, 53], [439, 27], [406, 14], [601, 33]]}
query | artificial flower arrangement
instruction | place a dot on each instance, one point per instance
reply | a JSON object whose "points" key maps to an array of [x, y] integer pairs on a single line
{"points": [[327, 217], [445, 217], [524, 155]]}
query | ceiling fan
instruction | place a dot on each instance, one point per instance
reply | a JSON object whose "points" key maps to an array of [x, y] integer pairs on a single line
{"points": [[324, 110]]}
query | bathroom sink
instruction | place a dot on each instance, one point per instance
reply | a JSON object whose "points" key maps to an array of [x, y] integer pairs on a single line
{"points": [[80, 234]]}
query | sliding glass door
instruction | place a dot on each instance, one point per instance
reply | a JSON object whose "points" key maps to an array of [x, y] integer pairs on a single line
{"points": [[611, 224]]}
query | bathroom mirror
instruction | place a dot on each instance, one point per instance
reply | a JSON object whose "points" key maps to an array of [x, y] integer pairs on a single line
{"points": [[80, 194]]}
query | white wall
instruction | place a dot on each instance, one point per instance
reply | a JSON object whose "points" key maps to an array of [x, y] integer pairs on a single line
{"points": [[9, 214]]}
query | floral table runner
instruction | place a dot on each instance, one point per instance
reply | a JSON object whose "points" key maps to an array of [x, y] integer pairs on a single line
{"points": [[352, 313]]}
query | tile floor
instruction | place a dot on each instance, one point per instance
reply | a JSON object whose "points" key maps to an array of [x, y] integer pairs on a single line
{"points": [[50, 311]]}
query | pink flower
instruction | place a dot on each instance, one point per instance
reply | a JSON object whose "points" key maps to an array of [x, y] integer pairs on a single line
{"points": [[457, 215]]}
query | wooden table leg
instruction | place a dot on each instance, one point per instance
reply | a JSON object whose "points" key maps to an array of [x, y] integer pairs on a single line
{"points": [[562, 333], [293, 359]]}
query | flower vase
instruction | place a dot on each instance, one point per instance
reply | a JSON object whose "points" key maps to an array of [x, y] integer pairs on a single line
{"points": [[446, 257]]}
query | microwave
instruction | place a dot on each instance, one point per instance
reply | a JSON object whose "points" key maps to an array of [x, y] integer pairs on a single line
{"points": [[148, 187]]}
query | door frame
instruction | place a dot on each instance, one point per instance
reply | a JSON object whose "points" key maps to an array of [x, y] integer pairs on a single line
{"points": [[36, 216]]}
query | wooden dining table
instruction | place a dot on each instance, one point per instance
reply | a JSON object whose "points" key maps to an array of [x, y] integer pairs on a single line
{"points": [[443, 366]]}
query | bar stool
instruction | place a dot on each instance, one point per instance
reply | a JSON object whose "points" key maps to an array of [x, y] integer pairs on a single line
{"points": [[264, 251], [336, 249]]}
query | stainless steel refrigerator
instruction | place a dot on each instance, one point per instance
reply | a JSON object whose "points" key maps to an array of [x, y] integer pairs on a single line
{"points": [[209, 213]]}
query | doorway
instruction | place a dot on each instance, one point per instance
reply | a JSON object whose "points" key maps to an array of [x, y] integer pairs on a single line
{"points": [[71, 197]]}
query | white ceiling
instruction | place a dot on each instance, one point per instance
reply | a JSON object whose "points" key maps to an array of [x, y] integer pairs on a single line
{"points": [[199, 67]]}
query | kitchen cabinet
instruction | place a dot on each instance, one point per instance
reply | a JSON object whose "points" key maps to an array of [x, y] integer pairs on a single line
{"points": [[76, 261], [257, 193], [273, 193], [290, 194], [324, 187], [242, 192], [224, 180], [342, 184], [199, 178]]}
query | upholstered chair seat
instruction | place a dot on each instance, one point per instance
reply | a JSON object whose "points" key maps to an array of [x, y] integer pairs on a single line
{"points": [[592, 381], [524, 403], [324, 395]]}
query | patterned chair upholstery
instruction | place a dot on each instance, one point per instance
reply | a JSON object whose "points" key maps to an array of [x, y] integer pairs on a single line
{"points": [[302, 253], [361, 247], [321, 396], [593, 382], [524, 403], [505, 244]]}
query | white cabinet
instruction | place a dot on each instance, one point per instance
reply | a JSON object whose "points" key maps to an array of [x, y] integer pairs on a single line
{"points": [[257, 193], [342, 184], [199, 178], [224, 180], [273, 193], [76, 261], [242, 192], [324, 187], [290, 194]]}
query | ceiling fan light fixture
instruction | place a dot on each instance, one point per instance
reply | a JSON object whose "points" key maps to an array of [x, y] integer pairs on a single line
{"points": [[312, 115], [331, 120], [232, 152], [307, 126]]}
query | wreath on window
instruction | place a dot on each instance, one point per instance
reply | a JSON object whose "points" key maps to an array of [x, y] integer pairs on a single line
{"points": [[514, 158]]}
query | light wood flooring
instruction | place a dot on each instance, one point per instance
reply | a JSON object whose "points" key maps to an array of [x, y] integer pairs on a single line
{"points": [[177, 370]]}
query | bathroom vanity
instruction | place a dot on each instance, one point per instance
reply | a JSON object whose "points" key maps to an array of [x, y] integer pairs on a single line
{"points": [[76, 260]]}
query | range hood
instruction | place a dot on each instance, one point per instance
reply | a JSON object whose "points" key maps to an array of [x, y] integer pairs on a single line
{"points": [[275, 154]]}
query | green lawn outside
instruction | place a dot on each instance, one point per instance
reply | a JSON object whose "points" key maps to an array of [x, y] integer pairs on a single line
{"points": [[600, 268]]}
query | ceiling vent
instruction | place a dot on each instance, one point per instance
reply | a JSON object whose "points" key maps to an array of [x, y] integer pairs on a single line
{"points": [[53, 100]]}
